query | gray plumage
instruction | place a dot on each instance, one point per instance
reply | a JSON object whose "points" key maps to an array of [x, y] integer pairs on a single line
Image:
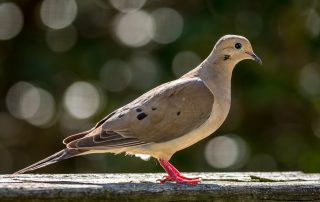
{"points": [[170, 111], [170, 117]]}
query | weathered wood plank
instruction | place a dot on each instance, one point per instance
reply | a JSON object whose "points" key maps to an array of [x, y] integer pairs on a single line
{"points": [[289, 186]]}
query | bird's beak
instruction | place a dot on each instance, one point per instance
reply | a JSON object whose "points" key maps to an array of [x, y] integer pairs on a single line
{"points": [[255, 57]]}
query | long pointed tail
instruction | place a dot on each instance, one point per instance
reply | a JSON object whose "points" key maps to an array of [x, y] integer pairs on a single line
{"points": [[59, 156]]}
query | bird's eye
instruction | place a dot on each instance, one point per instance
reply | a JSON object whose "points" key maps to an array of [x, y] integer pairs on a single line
{"points": [[238, 45]]}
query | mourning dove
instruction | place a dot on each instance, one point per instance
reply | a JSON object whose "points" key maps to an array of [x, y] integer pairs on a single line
{"points": [[168, 118]]}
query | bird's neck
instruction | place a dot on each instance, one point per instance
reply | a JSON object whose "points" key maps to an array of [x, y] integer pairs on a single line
{"points": [[216, 73]]}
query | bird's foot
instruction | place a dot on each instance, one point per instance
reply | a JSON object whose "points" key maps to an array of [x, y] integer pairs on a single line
{"points": [[175, 176], [180, 179]]}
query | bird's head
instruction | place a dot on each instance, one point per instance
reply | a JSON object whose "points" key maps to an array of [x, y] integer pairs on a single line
{"points": [[235, 48]]}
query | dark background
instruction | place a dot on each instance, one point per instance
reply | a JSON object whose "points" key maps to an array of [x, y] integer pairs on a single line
{"points": [[66, 64]]}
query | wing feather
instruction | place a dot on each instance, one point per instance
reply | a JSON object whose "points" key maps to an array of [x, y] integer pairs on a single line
{"points": [[165, 113]]}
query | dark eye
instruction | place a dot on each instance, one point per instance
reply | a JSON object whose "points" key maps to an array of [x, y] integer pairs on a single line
{"points": [[238, 45]]}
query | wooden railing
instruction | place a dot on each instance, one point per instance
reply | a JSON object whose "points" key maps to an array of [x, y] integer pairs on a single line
{"points": [[285, 186]]}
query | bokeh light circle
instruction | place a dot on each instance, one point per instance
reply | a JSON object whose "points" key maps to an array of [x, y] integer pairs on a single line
{"points": [[309, 79], [82, 100], [313, 23], [58, 14], [168, 25], [134, 29], [11, 20], [229, 151], [46, 110], [18, 97], [35, 105]]}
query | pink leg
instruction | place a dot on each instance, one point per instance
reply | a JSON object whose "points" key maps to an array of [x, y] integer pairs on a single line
{"points": [[178, 173], [175, 175]]}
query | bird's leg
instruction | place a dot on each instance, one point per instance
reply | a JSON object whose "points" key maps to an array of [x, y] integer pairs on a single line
{"points": [[175, 175]]}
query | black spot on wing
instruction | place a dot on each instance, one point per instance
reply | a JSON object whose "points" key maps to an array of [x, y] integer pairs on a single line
{"points": [[138, 110], [178, 113], [153, 108], [141, 116]]}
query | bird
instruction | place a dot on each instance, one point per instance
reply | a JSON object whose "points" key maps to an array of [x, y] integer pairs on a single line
{"points": [[168, 118]]}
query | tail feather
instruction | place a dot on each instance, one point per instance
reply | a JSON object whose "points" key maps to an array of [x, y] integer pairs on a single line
{"points": [[59, 156]]}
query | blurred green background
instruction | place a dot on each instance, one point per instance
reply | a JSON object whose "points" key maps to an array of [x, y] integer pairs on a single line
{"points": [[65, 64]]}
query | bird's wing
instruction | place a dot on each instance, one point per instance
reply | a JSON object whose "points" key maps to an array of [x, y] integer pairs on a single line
{"points": [[162, 114]]}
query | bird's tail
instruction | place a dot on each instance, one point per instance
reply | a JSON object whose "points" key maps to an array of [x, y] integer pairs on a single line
{"points": [[59, 156]]}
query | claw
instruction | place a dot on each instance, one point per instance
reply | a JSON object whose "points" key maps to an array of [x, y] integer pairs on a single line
{"points": [[180, 180], [165, 179]]}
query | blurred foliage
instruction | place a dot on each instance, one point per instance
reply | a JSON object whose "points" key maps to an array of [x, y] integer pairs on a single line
{"points": [[275, 108]]}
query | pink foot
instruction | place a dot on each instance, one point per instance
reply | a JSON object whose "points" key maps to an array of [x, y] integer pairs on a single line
{"points": [[175, 176], [180, 180]]}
